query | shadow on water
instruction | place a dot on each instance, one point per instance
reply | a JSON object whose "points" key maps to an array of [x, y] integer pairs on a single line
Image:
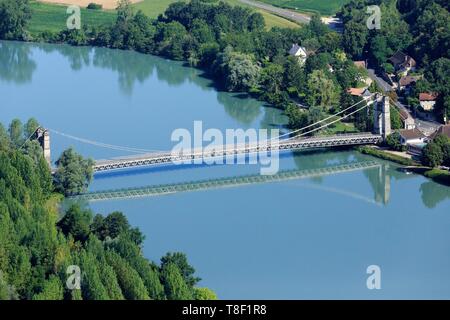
{"points": [[16, 62], [434, 193]]}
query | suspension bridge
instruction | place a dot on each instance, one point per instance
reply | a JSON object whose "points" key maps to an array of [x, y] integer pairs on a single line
{"points": [[299, 139]]}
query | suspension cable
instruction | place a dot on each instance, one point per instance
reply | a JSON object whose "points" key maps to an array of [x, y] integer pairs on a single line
{"points": [[325, 119], [104, 145]]}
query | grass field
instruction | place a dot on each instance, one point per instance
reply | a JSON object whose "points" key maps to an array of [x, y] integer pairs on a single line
{"points": [[324, 7], [50, 17]]}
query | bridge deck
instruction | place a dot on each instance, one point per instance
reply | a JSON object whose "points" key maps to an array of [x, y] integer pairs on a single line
{"points": [[231, 150]]}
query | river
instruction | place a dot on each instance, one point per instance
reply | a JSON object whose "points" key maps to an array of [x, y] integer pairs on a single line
{"points": [[311, 233]]}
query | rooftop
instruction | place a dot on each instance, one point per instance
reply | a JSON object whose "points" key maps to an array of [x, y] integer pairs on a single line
{"points": [[360, 64], [400, 58], [427, 96], [407, 80], [444, 129], [410, 134]]}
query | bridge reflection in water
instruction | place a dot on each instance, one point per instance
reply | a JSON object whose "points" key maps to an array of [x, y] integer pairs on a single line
{"points": [[382, 187]]}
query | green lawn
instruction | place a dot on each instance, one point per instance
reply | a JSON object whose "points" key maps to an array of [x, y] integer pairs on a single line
{"points": [[51, 17], [324, 7]]}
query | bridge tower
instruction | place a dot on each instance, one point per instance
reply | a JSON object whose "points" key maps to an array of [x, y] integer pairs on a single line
{"points": [[382, 116], [43, 137]]}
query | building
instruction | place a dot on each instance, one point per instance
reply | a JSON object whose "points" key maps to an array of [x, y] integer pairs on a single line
{"points": [[299, 52], [411, 136], [427, 100], [405, 82], [359, 92], [402, 63], [444, 130], [360, 64], [408, 121]]}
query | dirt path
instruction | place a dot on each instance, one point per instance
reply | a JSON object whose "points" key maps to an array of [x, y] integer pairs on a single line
{"points": [[107, 4]]}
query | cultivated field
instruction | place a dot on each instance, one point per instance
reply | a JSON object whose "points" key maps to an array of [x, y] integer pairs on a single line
{"points": [[107, 4], [50, 17]]}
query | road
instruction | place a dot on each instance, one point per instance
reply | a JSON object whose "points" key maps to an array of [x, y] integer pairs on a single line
{"points": [[383, 85], [285, 13]]}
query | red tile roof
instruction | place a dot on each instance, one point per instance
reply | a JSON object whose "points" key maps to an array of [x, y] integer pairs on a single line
{"points": [[426, 96], [356, 91]]}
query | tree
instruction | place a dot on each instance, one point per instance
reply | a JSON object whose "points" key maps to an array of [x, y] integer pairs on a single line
{"points": [[174, 285], [129, 280], [16, 132], [240, 71], [297, 117], [14, 16], [321, 90], [179, 259], [76, 222], [4, 138], [394, 142], [52, 290], [73, 173], [30, 127], [204, 294], [432, 155], [33, 150], [355, 38]]}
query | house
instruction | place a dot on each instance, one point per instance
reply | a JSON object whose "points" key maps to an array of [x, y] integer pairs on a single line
{"points": [[406, 82], [427, 100], [299, 52], [408, 121], [411, 136], [364, 79], [359, 92], [360, 64], [444, 130], [402, 63]]}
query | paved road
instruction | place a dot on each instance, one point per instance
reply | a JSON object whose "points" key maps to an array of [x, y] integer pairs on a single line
{"points": [[426, 126], [384, 86], [285, 13]]}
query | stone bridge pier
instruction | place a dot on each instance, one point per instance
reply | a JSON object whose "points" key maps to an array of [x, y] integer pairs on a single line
{"points": [[43, 137]]}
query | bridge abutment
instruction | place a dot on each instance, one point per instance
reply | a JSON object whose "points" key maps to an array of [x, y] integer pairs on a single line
{"points": [[382, 117]]}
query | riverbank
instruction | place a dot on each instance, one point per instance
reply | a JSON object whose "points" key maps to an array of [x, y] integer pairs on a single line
{"points": [[437, 175]]}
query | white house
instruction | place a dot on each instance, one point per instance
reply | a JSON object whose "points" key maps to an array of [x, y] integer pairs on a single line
{"points": [[411, 136], [298, 52], [427, 100]]}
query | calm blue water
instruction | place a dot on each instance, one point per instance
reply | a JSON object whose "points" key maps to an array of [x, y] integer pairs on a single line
{"points": [[309, 237]]}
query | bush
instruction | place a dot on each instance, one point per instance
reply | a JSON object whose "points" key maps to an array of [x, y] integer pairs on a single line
{"points": [[94, 6]]}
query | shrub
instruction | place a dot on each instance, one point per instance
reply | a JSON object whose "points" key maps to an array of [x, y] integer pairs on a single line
{"points": [[94, 6]]}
